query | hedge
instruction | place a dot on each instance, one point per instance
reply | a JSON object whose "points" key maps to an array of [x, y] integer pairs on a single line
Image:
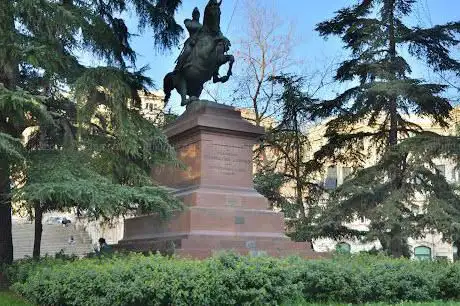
{"points": [[229, 279]]}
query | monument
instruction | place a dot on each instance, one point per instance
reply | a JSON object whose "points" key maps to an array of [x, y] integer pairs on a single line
{"points": [[223, 210], [203, 54]]}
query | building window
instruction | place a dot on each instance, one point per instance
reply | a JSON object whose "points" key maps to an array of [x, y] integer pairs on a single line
{"points": [[331, 178], [150, 106], [343, 248], [422, 253], [441, 169]]}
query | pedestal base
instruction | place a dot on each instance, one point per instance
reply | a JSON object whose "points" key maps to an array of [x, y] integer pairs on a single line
{"points": [[200, 246], [223, 210]]}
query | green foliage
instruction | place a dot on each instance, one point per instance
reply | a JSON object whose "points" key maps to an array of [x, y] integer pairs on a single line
{"points": [[10, 148], [60, 180], [269, 183], [373, 112], [21, 106], [125, 145], [374, 188], [251, 280], [45, 88], [229, 279]]}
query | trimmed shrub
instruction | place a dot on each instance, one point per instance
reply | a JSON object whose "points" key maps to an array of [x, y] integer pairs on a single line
{"points": [[253, 280], [371, 279], [449, 283], [229, 279]]}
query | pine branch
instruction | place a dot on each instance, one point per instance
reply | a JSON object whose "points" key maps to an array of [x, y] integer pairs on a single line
{"points": [[434, 45], [10, 148]]}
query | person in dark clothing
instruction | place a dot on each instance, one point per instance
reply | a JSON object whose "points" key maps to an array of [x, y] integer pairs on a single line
{"points": [[103, 246]]}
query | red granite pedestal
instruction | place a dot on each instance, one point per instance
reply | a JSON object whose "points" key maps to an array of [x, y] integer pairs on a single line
{"points": [[224, 211]]}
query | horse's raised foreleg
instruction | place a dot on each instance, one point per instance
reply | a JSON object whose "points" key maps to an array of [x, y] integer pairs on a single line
{"points": [[230, 59], [226, 59]]}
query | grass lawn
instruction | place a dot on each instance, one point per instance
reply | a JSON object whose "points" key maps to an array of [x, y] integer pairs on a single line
{"points": [[7, 298]]}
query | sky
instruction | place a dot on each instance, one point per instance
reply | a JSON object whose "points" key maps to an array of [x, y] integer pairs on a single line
{"points": [[304, 14]]}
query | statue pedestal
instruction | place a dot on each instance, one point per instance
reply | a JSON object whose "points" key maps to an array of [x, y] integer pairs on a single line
{"points": [[223, 210]]}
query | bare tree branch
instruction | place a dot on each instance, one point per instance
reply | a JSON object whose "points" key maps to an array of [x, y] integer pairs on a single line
{"points": [[266, 49]]}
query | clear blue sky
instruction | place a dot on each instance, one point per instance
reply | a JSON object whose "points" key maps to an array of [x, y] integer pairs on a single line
{"points": [[304, 13]]}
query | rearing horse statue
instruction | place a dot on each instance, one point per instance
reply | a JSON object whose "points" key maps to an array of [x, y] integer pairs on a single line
{"points": [[203, 54]]}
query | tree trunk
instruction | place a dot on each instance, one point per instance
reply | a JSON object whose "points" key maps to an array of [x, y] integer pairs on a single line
{"points": [[8, 63], [397, 245], [38, 230], [298, 161], [8, 76], [6, 240], [393, 133]]}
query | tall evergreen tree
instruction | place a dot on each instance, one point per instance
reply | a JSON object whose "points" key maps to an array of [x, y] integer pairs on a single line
{"points": [[375, 33], [38, 61]]}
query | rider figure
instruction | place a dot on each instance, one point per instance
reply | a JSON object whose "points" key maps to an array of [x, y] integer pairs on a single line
{"points": [[193, 26]]}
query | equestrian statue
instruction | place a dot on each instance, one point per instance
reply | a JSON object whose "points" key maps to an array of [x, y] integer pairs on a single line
{"points": [[202, 55]]}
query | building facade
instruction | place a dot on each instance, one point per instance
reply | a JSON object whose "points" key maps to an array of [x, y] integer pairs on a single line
{"points": [[152, 106]]}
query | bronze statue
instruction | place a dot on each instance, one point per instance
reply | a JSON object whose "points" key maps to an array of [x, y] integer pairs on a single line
{"points": [[203, 54], [193, 26]]}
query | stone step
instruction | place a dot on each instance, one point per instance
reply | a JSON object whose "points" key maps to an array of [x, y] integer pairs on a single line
{"points": [[202, 246], [55, 238]]}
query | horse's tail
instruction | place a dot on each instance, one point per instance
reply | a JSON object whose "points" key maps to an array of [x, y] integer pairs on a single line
{"points": [[168, 85]]}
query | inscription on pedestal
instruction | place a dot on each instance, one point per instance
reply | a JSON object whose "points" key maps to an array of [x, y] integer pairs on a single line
{"points": [[228, 160]]}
